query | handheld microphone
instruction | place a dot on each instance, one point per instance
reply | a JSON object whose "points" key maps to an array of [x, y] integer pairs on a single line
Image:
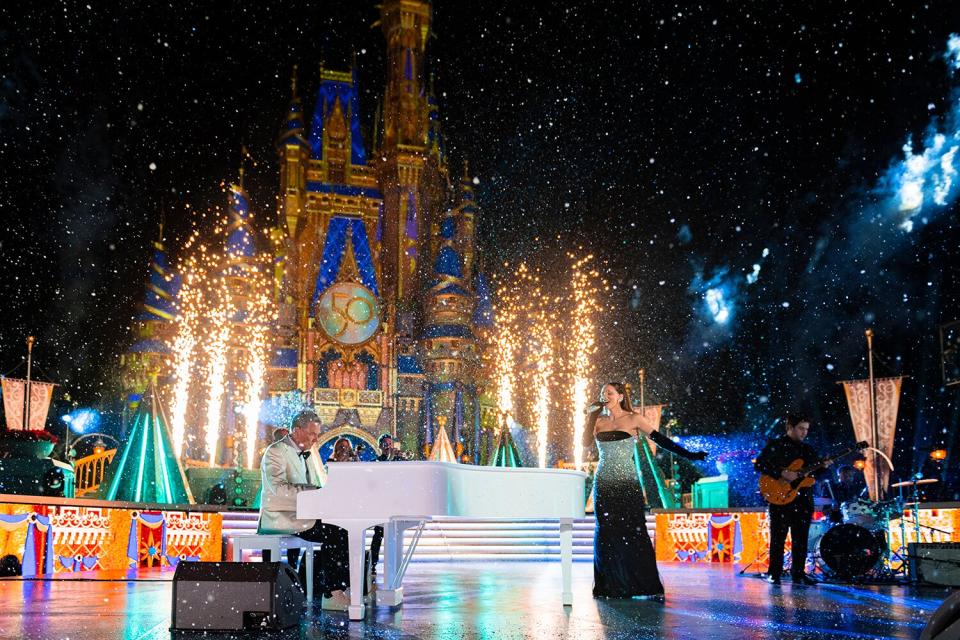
{"points": [[595, 406]]}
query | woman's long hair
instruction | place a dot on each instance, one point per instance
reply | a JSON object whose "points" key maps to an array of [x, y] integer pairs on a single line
{"points": [[343, 451], [623, 389]]}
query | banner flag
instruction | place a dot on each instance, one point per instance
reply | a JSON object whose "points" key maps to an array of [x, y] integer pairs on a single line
{"points": [[40, 395], [13, 399], [887, 395]]}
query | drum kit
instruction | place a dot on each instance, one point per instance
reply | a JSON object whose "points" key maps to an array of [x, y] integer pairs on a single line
{"points": [[857, 548]]}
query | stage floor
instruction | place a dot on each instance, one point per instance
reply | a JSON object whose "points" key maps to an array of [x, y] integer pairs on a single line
{"points": [[446, 600]]}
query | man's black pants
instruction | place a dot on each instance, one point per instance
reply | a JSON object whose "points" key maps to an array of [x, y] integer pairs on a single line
{"points": [[795, 518], [375, 547], [331, 565]]}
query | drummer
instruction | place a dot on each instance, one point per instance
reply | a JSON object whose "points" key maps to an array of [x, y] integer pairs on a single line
{"points": [[848, 487]]}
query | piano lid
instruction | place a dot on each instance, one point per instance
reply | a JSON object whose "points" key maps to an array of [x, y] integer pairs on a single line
{"points": [[384, 490]]}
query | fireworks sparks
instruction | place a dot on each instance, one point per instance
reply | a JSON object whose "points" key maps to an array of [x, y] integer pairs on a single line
{"points": [[183, 346], [542, 381], [505, 361], [225, 311], [215, 350], [584, 286], [256, 370], [528, 351]]}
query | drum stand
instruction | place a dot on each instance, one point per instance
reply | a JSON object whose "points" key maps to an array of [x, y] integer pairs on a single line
{"points": [[881, 572]]}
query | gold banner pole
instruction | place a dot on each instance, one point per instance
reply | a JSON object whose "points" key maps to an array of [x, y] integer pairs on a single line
{"points": [[26, 415], [643, 405], [873, 416]]}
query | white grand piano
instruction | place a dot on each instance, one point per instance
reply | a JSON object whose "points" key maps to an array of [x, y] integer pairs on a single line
{"points": [[405, 495]]}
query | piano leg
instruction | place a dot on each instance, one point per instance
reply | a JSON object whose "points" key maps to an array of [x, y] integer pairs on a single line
{"points": [[566, 559], [356, 542], [392, 593]]}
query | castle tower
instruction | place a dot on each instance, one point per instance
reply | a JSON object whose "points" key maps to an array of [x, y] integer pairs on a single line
{"points": [[331, 287], [241, 241], [448, 344], [409, 201], [466, 216], [294, 152], [448, 338], [153, 329]]}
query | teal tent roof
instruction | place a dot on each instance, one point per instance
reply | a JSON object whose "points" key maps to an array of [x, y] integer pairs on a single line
{"points": [[506, 453], [147, 469]]}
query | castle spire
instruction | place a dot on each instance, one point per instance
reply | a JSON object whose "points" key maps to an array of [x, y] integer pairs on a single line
{"points": [[406, 25], [466, 213], [294, 152], [161, 288], [240, 242], [402, 156], [292, 130]]}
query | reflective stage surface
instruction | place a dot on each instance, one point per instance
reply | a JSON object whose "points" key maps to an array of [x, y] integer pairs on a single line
{"points": [[503, 600]]}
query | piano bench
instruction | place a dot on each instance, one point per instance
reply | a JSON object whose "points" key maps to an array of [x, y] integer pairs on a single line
{"points": [[277, 545]]}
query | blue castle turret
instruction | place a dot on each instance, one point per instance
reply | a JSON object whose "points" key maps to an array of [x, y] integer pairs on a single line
{"points": [[152, 329], [449, 344]]}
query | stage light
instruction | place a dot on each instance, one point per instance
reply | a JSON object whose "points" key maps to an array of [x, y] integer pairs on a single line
{"points": [[718, 305], [82, 420], [237, 481], [859, 464], [939, 454]]}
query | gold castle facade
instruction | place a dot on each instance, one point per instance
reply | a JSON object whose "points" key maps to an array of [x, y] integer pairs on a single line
{"points": [[383, 311]]}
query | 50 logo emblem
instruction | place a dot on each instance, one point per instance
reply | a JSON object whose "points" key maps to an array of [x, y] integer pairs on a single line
{"points": [[348, 312]]}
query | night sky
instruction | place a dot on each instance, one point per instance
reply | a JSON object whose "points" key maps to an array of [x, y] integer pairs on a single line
{"points": [[682, 145]]}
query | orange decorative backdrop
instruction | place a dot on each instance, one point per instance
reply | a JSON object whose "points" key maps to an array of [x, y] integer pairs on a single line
{"points": [[99, 538], [744, 537]]}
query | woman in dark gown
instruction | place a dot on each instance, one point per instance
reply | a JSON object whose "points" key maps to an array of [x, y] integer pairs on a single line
{"points": [[624, 565]]}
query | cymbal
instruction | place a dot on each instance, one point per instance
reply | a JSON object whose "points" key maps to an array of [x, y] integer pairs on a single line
{"points": [[907, 483]]}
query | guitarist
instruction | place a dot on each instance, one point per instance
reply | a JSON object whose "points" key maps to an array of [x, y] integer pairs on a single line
{"points": [[793, 517]]}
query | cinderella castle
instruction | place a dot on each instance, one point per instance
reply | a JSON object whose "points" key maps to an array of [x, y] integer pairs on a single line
{"points": [[383, 312]]}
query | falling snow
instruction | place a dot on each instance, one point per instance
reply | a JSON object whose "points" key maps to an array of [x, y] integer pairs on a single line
{"points": [[758, 183]]}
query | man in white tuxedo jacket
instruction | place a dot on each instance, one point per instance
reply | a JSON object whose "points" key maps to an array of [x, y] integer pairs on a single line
{"points": [[289, 466]]}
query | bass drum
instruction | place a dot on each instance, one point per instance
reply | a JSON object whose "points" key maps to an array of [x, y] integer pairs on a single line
{"points": [[817, 530], [850, 550]]}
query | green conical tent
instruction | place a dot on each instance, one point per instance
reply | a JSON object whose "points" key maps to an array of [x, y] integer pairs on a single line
{"points": [[147, 470], [506, 453]]}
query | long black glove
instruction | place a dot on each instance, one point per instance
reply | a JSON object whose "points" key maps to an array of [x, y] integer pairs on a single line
{"points": [[673, 447]]}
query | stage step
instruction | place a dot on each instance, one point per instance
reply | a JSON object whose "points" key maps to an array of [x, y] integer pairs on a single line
{"points": [[472, 539]]}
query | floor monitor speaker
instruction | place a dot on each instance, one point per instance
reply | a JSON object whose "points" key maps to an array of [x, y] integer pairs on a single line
{"points": [[235, 596], [935, 563]]}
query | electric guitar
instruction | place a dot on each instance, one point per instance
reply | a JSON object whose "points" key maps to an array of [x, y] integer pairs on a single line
{"points": [[780, 492]]}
